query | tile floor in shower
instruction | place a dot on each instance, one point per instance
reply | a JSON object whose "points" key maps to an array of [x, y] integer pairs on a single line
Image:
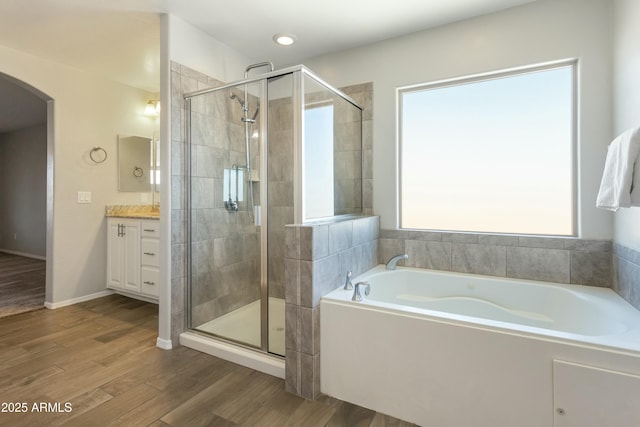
{"points": [[243, 325]]}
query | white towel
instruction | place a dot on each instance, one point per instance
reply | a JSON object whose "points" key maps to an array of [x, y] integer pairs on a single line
{"points": [[618, 176], [635, 185]]}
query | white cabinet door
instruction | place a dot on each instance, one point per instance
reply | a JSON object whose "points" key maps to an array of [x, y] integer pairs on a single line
{"points": [[587, 396], [131, 255], [123, 254], [115, 258]]}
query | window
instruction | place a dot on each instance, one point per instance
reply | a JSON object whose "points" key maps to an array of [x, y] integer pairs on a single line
{"points": [[490, 154]]}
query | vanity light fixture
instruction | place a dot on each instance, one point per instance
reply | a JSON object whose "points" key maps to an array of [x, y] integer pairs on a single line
{"points": [[284, 39], [152, 108]]}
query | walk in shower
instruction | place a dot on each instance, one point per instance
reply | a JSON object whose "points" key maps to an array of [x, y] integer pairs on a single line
{"points": [[280, 148]]}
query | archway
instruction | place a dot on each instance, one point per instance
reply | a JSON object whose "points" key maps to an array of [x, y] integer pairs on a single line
{"points": [[26, 195]]}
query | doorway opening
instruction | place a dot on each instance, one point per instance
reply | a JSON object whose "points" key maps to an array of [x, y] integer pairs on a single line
{"points": [[26, 196]]}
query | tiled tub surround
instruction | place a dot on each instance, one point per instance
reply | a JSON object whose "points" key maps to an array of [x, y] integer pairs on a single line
{"points": [[317, 259], [548, 259], [626, 273]]}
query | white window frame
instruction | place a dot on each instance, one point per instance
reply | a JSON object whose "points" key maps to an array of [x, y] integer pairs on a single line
{"points": [[572, 63]]}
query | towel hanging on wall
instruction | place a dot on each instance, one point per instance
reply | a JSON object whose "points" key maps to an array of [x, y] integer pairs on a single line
{"points": [[620, 186]]}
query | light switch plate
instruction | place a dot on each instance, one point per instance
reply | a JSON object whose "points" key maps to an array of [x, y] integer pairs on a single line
{"points": [[84, 196]]}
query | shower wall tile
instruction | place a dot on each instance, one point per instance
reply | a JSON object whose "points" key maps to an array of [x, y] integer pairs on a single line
{"points": [[177, 192], [353, 156], [626, 273], [310, 337], [367, 197], [221, 241], [306, 283], [292, 242], [346, 245], [292, 281], [292, 327], [326, 277], [358, 259], [178, 261], [310, 376], [210, 162], [365, 231], [177, 308], [340, 236], [177, 157], [178, 233], [314, 242], [292, 372]]}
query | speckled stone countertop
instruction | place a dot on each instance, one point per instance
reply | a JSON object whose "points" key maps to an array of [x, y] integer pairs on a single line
{"points": [[133, 211]]}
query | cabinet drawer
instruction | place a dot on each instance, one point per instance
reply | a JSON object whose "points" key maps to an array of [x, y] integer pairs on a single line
{"points": [[151, 229], [150, 252], [150, 281]]}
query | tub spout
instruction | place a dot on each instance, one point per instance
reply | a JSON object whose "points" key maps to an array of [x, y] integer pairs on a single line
{"points": [[347, 282], [357, 296], [391, 264]]}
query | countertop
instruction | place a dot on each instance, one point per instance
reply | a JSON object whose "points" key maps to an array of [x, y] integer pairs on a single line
{"points": [[133, 211]]}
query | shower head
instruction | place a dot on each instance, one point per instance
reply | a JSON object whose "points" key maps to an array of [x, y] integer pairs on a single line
{"points": [[234, 96]]}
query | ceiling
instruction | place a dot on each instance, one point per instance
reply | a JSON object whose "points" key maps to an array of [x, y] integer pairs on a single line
{"points": [[119, 39]]}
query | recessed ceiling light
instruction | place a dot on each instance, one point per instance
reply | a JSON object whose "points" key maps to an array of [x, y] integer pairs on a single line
{"points": [[284, 39]]}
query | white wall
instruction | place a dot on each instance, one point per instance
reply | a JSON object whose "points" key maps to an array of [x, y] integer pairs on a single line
{"points": [[23, 191], [192, 47], [546, 30], [186, 45], [626, 55], [87, 112]]}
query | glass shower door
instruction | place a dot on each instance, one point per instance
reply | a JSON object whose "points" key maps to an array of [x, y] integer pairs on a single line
{"points": [[225, 236], [280, 198]]}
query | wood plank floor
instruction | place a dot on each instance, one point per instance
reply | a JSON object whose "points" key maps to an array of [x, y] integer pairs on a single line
{"points": [[96, 364], [22, 284]]}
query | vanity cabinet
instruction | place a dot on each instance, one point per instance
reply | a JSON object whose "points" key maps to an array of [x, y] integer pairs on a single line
{"points": [[132, 257]]}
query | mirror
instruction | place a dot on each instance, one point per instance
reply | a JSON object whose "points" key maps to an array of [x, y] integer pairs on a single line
{"points": [[138, 164]]}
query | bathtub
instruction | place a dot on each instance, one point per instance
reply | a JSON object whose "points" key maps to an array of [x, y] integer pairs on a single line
{"points": [[451, 349]]}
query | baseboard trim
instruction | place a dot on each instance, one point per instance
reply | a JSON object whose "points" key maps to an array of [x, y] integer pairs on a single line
{"points": [[60, 304], [24, 254], [164, 344]]}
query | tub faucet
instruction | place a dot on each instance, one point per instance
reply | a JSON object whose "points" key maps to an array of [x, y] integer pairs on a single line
{"points": [[391, 264], [357, 296], [347, 282]]}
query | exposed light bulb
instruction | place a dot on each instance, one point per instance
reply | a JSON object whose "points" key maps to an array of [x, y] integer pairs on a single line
{"points": [[150, 109]]}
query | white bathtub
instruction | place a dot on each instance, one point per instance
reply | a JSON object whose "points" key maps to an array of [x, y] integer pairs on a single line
{"points": [[450, 349]]}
